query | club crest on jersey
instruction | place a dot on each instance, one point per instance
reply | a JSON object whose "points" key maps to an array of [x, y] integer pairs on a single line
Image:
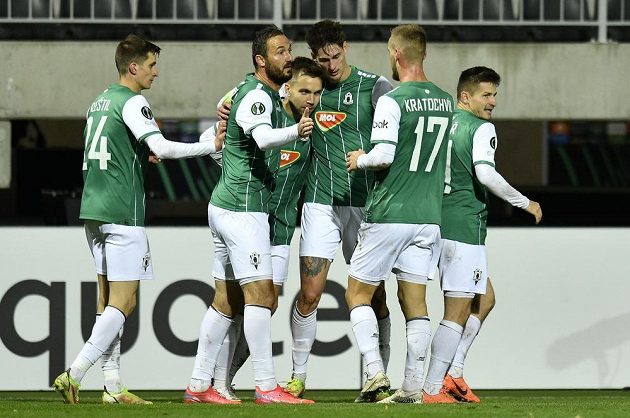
{"points": [[347, 99], [328, 120], [288, 157], [146, 261], [476, 276], [254, 260], [258, 108], [146, 112]]}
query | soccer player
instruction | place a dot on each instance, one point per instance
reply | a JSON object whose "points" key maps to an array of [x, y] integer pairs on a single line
{"points": [[237, 215], [290, 164], [119, 133], [401, 230], [334, 199], [463, 263]]}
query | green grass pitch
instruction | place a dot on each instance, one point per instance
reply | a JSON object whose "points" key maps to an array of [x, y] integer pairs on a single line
{"points": [[330, 404]]}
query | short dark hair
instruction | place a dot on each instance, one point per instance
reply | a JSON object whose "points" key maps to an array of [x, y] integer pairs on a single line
{"points": [[324, 33], [469, 79], [133, 49], [259, 45], [306, 66]]}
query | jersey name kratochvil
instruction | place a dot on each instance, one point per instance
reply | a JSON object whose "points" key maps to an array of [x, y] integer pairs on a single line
{"points": [[410, 190]]}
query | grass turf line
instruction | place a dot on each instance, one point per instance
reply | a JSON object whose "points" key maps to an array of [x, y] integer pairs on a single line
{"points": [[495, 403]]}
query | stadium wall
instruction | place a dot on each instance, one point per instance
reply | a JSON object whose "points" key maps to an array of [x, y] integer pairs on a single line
{"points": [[560, 320], [540, 81]]}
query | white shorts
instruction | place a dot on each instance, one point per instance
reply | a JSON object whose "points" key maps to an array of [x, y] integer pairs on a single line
{"points": [[408, 250], [325, 226], [280, 263], [120, 252], [463, 267], [241, 244]]}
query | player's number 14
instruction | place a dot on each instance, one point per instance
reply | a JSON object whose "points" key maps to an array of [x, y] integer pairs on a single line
{"points": [[96, 140]]}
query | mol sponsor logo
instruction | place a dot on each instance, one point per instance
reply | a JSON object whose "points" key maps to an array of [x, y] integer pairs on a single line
{"points": [[288, 157], [328, 120]]}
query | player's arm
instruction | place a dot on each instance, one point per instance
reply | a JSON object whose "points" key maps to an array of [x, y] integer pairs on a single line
{"points": [[384, 139], [224, 106], [484, 146], [254, 117], [215, 133], [381, 87], [139, 119]]}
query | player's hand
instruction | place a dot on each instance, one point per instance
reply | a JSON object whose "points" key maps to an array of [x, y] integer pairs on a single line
{"points": [[534, 209], [223, 112], [305, 125], [351, 159], [154, 159], [219, 139]]}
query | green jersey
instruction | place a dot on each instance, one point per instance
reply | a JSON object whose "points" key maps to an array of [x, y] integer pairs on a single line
{"points": [[472, 141], [291, 163], [343, 122], [415, 117], [246, 179], [115, 155]]}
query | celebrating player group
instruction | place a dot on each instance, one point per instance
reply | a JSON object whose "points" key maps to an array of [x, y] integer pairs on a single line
{"points": [[405, 168]]}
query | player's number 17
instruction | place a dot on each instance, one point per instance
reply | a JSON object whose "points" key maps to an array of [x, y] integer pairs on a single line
{"points": [[431, 122]]}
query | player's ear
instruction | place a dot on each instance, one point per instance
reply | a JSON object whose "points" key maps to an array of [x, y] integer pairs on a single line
{"points": [[260, 61], [464, 97], [133, 68], [345, 46]]}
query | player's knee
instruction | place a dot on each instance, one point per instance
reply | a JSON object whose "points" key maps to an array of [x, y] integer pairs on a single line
{"points": [[222, 304], [355, 298], [309, 299], [126, 307], [379, 302], [487, 303]]}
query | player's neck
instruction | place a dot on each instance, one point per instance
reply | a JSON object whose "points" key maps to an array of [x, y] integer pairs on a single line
{"points": [[412, 73], [346, 73], [291, 110], [261, 76], [465, 107], [130, 84]]}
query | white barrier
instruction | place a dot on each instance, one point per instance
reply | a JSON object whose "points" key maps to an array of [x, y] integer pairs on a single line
{"points": [[561, 319]]}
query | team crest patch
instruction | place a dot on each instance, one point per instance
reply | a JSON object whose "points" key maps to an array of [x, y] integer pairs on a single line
{"points": [[328, 120], [254, 260], [146, 261], [476, 276], [146, 112], [347, 99], [288, 157], [258, 108]]}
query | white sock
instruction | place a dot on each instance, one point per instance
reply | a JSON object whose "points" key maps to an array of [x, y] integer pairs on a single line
{"points": [[443, 349], [103, 333], [214, 326], [418, 340], [226, 353], [303, 330], [384, 335], [468, 336], [110, 363], [365, 330], [257, 330], [241, 349]]}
